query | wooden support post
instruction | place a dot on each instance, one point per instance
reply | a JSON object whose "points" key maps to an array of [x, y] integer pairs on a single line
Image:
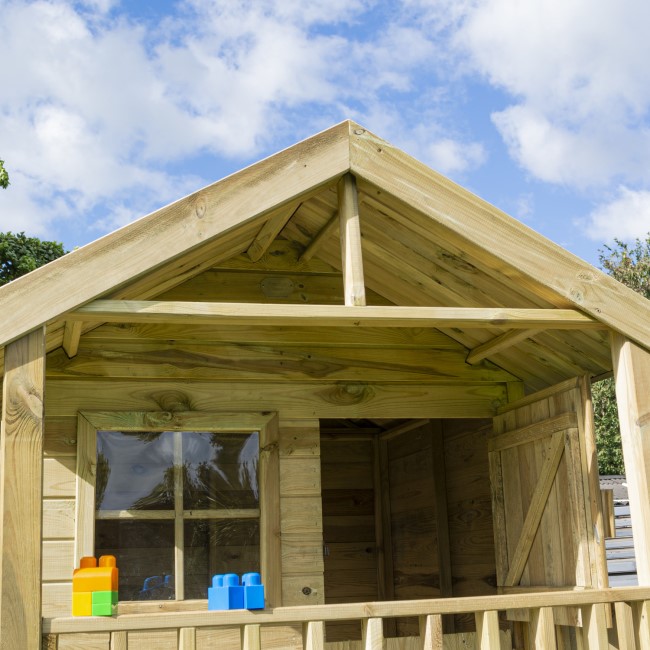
{"points": [[609, 519], [442, 518], [385, 557], [351, 260], [594, 627], [542, 628], [372, 631], [313, 635], [431, 632], [250, 637], [642, 624], [487, 630], [270, 549], [632, 376], [119, 640], [21, 492], [625, 626], [187, 638]]}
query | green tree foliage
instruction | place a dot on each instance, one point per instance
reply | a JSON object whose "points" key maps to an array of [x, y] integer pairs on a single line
{"points": [[629, 264], [20, 254], [4, 176]]}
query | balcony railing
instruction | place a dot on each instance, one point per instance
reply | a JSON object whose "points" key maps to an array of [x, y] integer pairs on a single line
{"points": [[630, 620]]}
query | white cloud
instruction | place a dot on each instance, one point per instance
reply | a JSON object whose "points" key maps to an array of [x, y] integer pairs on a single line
{"points": [[579, 76], [626, 217], [451, 156]]}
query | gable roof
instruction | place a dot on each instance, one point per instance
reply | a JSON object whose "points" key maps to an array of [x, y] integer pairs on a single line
{"points": [[426, 241]]}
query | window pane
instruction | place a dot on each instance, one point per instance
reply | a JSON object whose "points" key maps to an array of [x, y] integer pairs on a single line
{"points": [[145, 556], [213, 547], [220, 470], [135, 471]]}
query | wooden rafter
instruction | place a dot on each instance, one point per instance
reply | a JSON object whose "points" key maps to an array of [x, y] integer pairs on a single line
{"points": [[351, 258], [497, 344], [270, 230], [134, 311], [72, 336], [328, 229]]}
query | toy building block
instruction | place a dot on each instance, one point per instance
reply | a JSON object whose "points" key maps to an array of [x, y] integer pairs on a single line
{"points": [[226, 592], [103, 603], [82, 603], [253, 591], [95, 586]]}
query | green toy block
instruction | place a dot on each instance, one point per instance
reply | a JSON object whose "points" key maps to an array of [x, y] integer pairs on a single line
{"points": [[102, 597], [104, 602]]}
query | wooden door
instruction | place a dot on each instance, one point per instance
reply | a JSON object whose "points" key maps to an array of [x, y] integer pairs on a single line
{"points": [[547, 518]]}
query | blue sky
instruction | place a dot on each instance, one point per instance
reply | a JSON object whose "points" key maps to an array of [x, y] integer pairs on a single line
{"points": [[110, 109]]}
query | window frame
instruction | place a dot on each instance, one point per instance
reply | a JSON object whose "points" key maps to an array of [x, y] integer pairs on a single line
{"points": [[265, 423]]}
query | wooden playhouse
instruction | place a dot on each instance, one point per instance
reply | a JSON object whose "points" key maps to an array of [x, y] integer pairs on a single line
{"points": [[338, 368]]}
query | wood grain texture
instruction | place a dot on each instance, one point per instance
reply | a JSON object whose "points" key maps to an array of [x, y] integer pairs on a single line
{"points": [[632, 374], [372, 634], [313, 634], [350, 230], [66, 397], [223, 313], [21, 476], [71, 337], [487, 630], [542, 629], [269, 231]]}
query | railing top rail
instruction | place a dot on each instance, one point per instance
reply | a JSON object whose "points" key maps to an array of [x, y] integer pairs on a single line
{"points": [[342, 612]]}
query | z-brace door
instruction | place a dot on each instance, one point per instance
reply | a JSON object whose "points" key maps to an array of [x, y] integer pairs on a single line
{"points": [[545, 494]]}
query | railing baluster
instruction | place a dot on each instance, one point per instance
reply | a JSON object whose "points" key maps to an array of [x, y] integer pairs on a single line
{"points": [[431, 632], [487, 630], [250, 637], [594, 627], [313, 635], [642, 624], [542, 628], [372, 630], [118, 640], [187, 638], [625, 626]]}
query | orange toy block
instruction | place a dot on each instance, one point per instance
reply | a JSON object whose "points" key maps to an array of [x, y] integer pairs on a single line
{"points": [[90, 577], [82, 603]]}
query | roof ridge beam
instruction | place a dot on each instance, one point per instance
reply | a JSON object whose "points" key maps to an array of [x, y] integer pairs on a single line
{"points": [[140, 311]]}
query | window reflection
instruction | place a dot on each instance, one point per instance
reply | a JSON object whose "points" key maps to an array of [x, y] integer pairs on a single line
{"points": [[163, 477]]}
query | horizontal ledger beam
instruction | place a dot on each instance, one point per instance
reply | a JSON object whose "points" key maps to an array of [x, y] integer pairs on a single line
{"points": [[140, 311]]}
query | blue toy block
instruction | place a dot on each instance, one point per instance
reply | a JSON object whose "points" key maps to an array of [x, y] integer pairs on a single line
{"points": [[226, 592], [253, 591]]}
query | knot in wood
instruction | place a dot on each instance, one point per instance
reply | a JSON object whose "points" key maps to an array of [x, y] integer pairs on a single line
{"points": [[348, 394]]}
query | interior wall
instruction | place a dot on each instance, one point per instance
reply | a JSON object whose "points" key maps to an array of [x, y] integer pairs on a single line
{"points": [[416, 516], [349, 535], [469, 508]]}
